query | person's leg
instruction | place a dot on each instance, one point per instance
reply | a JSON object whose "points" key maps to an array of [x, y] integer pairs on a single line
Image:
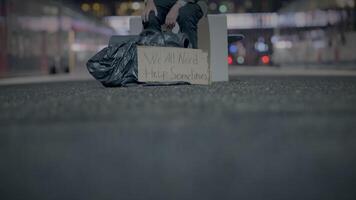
{"points": [[155, 22], [188, 19]]}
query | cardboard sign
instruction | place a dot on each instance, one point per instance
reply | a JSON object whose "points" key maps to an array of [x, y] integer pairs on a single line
{"points": [[168, 64]]}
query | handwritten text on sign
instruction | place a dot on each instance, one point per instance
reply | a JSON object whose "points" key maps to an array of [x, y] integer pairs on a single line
{"points": [[167, 64]]}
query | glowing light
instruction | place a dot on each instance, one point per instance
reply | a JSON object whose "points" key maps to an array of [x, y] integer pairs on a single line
{"points": [[274, 39], [223, 8], [96, 6], [240, 60], [229, 60], [135, 5], [265, 60], [85, 7], [261, 46], [283, 44], [233, 48]]}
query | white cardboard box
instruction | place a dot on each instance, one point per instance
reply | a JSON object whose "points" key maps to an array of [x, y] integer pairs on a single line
{"points": [[212, 38]]}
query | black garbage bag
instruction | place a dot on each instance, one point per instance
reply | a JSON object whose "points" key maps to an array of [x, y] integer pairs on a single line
{"points": [[116, 65]]}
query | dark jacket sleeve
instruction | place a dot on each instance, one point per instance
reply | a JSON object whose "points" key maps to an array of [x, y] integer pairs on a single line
{"points": [[202, 3]]}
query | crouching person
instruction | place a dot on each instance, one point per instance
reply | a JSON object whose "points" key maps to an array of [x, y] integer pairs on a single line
{"points": [[186, 13]]}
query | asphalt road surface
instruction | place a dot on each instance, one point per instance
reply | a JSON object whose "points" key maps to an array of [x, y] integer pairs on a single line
{"points": [[252, 138]]}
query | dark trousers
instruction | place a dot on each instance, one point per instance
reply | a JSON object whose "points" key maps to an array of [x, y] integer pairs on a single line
{"points": [[188, 18]]}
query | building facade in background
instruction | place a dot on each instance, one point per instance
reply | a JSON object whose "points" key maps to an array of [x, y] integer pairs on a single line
{"points": [[46, 36], [58, 36]]}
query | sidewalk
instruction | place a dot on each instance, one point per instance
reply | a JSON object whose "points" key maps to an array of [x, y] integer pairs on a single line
{"points": [[233, 71], [46, 79]]}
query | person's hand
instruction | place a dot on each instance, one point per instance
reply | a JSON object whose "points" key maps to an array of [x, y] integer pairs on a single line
{"points": [[172, 16], [150, 6]]}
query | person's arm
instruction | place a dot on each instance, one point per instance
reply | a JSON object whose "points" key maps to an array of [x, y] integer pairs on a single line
{"points": [[150, 6], [172, 15]]}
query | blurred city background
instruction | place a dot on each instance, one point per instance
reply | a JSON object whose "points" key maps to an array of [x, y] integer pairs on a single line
{"points": [[40, 37], [282, 128]]}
